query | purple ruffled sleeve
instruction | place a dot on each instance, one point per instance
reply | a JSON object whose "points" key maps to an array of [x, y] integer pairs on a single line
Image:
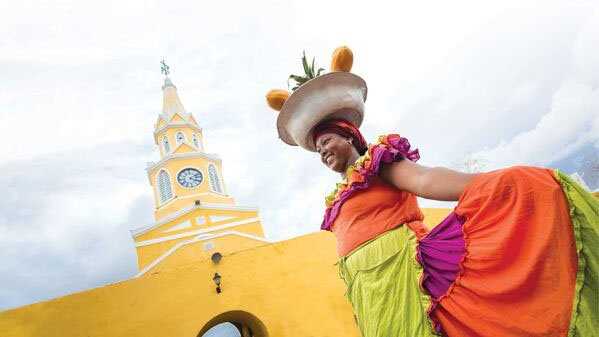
{"points": [[389, 149]]}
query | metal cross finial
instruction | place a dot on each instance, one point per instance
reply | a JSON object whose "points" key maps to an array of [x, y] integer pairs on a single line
{"points": [[164, 68]]}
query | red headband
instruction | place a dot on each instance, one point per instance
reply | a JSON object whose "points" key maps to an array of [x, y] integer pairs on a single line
{"points": [[344, 129]]}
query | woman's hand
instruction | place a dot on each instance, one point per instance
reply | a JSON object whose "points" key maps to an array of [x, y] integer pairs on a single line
{"points": [[437, 183]]}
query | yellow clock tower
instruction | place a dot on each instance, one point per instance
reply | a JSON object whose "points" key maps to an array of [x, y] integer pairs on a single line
{"points": [[194, 216], [185, 173]]}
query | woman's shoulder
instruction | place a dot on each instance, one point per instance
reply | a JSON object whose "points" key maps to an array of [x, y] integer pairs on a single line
{"points": [[395, 145], [388, 148], [361, 175]]}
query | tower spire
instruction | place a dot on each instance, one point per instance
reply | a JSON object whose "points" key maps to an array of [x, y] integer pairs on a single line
{"points": [[171, 104]]}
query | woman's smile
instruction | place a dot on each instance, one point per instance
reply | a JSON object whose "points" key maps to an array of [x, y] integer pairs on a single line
{"points": [[329, 159]]}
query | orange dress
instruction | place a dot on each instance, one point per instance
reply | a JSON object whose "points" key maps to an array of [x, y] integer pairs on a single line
{"points": [[525, 255], [519, 272], [374, 211]]}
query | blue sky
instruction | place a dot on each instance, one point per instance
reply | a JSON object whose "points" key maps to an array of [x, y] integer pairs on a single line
{"points": [[501, 83]]}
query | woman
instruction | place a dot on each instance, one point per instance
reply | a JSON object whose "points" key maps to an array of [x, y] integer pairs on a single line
{"points": [[517, 256]]}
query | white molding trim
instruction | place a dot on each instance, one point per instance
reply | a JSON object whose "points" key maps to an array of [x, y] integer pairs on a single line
{"points": [[170, 217], [183, 225], [196, 232], [175, 126], [203, 193], [197, 239], [219, 218], [154, 166], [186, 143]]}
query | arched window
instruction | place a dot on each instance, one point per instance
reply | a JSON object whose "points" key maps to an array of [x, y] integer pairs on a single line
{"points": [[195, 141], [165, 145], [214, 181], [180, 137], [164, 186]]}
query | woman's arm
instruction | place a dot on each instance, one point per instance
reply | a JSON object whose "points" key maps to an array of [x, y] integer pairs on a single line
{"points": [[437, 183]]}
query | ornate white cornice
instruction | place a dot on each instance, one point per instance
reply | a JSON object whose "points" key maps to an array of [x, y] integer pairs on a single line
{"points": [[201, 237], [155, 166], [174, 126], [197, 231], [141, 230]]}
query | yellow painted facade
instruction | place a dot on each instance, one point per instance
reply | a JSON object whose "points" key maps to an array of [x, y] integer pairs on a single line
{"points": [[279, 289], [288, 288]]}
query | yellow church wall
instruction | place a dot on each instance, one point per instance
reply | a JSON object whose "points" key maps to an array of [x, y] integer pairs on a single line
{"points": [[433, 216], [292, 287], [254, 229], [194, 252], [183, 148], [148, 253]]}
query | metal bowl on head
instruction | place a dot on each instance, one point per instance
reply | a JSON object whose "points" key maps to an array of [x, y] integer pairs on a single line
{"points": [[336, 95]]}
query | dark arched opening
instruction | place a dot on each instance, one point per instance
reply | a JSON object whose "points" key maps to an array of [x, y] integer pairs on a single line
{"points": [[246, 324]]}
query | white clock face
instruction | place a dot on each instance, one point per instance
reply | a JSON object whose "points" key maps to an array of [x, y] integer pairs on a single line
{"points": [[190, 177]]}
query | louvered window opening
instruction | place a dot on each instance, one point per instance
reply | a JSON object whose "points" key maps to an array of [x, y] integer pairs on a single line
{"points": [[214, 181], [164, 186], [180, 137], [167, 147]]}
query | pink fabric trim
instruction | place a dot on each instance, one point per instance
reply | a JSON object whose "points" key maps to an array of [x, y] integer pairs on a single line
{"points": [[392, 148]]}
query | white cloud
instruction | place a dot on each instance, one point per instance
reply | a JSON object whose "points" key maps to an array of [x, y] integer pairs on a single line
{"points": [[573, 117], [81, 91], [564, 129], [65, 220]]}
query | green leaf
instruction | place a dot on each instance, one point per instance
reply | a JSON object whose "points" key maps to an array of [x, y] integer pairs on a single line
{"points": [[305, 64], [299, 79], [319, 71]]}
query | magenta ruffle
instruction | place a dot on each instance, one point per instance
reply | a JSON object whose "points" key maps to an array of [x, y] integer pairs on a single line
{"points": [[390, 148], [441, 253]]}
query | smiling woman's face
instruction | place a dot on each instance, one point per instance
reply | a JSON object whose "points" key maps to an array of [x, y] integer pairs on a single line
{"points": [[335, 151]]}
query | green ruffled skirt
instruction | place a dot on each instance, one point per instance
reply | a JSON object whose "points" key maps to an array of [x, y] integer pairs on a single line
{"points": [[382, 278]]}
